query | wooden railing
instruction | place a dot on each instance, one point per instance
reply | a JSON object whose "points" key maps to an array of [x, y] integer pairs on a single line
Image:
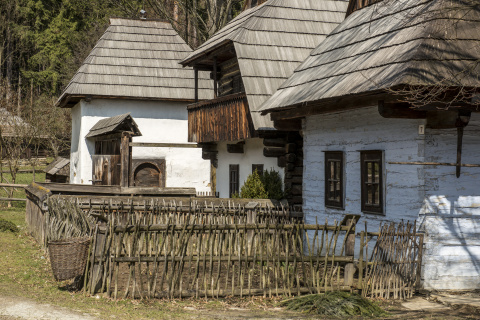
{"points": [[225, 118]]}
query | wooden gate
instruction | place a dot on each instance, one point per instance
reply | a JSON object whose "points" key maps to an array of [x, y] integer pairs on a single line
{"points": [[394, 267], [106, 170]]}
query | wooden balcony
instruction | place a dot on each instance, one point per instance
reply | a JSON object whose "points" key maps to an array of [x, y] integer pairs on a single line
{"points": [[225, 118]]}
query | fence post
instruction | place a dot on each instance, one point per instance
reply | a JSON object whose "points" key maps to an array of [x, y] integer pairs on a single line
{"points": [[251, 219], [360, 260], [349, 251], [419, 261]]}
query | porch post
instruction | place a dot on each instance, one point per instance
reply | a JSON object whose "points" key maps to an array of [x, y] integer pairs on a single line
{"points": [[215, 84], [196, 83], [125, 156]]}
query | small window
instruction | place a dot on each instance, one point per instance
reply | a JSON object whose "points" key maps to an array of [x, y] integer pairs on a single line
{"points": [[233, 179], [372, 181], [334, 195], [258, 168]]}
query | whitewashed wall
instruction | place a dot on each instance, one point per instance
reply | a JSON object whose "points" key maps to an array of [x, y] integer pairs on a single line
{"points": [[253, 154], [450, 215], [158, 122], [351, 132], [447, 209]]}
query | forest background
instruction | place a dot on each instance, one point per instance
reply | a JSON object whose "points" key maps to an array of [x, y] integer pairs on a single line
{"points": [[44, 42]]}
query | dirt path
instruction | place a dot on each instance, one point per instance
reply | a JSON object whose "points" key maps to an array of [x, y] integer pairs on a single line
{"points": [[21, 308], [18, 308]]}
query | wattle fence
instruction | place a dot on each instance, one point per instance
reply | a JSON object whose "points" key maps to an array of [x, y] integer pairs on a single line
{"points": [[159, 248]]}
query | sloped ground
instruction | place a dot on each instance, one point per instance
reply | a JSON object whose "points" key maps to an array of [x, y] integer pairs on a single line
{"points": [[28, 291]]}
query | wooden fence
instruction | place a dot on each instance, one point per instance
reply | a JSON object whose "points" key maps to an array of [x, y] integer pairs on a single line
{"points": [[182, 254], [393, 268], [173, 247]]}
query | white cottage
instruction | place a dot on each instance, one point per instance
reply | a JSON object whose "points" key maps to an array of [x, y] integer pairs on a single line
{"points": [[249, 58], [133, 69], [391, 127]]}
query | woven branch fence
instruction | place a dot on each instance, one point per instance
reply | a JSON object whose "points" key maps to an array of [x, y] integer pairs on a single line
{"points": [[394, 266], [167, 249], [184, 254]]}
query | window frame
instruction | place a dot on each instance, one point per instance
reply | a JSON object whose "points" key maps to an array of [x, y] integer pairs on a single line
{"points": [[339, 157], [234, 186], [374, 156]]}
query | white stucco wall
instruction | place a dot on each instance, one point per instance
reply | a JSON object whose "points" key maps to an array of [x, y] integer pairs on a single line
{"points": [[450, 216], [446, 208], [158, 122], [253, 154], [351, 132]]}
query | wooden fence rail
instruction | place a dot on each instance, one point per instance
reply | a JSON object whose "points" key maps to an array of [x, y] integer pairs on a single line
{"points": [[12, 185], [179, 259]]}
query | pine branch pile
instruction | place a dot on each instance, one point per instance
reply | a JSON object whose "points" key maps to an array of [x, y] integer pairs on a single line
{"points": [[7, 226], [335, 304]]}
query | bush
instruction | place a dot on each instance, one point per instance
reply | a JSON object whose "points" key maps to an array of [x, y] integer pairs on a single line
{"points": [[266, 186], [7, 226], [253, 188], [272, 183]]}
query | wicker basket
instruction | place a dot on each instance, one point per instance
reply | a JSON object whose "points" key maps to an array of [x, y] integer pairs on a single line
{"points": [[68, 257]]}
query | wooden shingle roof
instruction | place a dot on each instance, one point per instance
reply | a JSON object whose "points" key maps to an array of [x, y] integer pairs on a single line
{"points": [[116, 124], [136, 59], [270, 41], [58, 166], [386, 45]]}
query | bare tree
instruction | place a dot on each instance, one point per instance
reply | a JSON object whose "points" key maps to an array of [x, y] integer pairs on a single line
{"points": [[451, 49], [195, 20]]}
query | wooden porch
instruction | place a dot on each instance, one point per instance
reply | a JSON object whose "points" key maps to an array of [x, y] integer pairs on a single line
{"points": [[225, 118]]}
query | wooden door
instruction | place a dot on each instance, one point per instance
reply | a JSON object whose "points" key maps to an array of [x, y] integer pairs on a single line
{"points": [[106, 170], [148, 175]]}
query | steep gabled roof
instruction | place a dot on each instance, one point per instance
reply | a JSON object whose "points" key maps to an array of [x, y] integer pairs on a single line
{"points": [[388, 44], [270, 41], [136, 59], [116, 124]]}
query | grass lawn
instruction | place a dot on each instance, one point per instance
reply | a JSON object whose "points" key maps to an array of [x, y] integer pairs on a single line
{"points": [[25, 272]]}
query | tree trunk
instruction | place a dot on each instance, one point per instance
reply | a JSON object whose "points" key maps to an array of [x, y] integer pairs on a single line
{"points": [[31, 99], [19, 94]]}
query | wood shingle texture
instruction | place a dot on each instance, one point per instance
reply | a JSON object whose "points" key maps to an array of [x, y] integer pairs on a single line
{"points": [[116, 124], [270, 41], [386, 45], [136, 59]]}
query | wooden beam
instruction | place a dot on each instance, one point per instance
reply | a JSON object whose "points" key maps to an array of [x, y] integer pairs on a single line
{"points": [[12, 199], [13, 185], [125, 159], [215, 82], [291, 147], [288, 125], [209, 155], [420, 163], [235, 148], [79, 189], [399, 110], [277, 142], [291, 157], [273, 152], [196, 83], [330, 105], [164, 145], [459, 149]]}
